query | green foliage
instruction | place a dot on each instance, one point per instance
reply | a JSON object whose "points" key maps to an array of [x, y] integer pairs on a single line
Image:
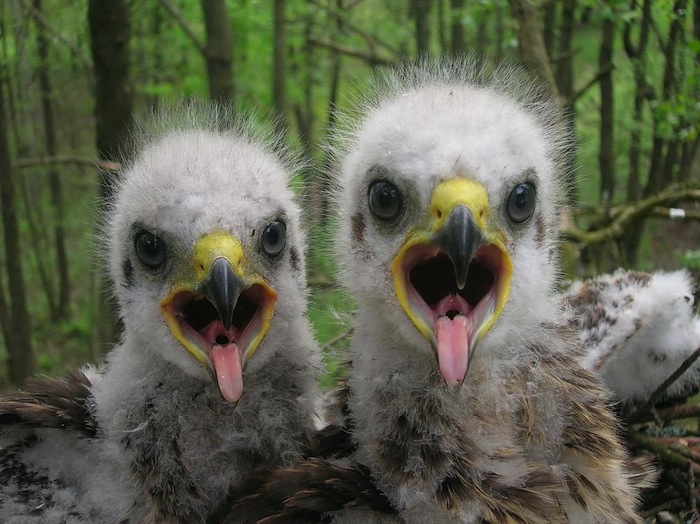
{"points": [[691, 260], [166, 67]]}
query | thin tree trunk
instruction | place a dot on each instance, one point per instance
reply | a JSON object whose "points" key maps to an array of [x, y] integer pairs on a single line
{"points": [[218, 52], [324, 179], [20, 356], [565, 84], [420, 9], [637, 54], [59, 311], [550, 16], [109, 42], [457, 14], [279, 64], [532, 49], [606, 154], [656, 180], [500, 31], [482, 40]]}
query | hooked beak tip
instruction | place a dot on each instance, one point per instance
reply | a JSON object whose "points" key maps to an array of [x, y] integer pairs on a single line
{"points": [[223, 288]]}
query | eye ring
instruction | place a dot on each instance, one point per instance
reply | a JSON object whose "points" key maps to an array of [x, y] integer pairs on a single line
{"points": [[385, 201], [274, 238], [521, 202], [150, 249]]}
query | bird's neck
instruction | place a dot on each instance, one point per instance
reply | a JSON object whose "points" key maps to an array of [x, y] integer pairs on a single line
{"points": [[416, 433]]}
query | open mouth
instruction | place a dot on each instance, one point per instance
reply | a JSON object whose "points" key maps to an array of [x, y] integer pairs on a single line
{"points": [[453, 319], [195, 321]]}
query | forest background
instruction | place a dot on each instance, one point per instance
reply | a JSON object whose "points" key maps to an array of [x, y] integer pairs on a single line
{"points": [[73, 73]]}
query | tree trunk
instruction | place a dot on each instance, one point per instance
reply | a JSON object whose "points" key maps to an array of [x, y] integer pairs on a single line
{"points": [[532, 49], [656, 179], [458, 45], [218, 52], [420, 9], [279, 64], [565, 83], [442, 32], [324, 179], [550, 16], [109, 42], [59, 311], [606, 154], [20, 356]]}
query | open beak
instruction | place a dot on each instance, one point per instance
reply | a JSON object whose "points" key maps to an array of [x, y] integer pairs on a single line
{"points": [[452, 278], [219, 311]]}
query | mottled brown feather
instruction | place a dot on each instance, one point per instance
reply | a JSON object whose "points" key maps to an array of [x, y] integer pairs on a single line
{"points": [[62, 403]]}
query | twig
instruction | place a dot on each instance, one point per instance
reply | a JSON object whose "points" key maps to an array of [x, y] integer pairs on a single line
{"points": [[342, 336], [678, 412], [370, 58], [21, 163], [691, 494], [182, 22], [656, 395], [685, 451], [663, 453], [623, 216], [369, 38], [593, 81], [668, 212]]}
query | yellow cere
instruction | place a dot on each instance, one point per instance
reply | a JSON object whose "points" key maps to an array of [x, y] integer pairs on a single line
{"points": [[459, 192], [216, 245]]}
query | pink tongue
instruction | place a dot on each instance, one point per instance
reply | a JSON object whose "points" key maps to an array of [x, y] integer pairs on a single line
{"points": [[453, 338], [229, 375]]}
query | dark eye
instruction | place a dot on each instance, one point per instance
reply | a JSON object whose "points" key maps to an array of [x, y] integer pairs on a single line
{"points": [[521, 202], [384, 200], [150, 249], [274, 238]]}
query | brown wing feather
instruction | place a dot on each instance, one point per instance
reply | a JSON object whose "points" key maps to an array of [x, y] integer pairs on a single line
{"points": [[63, 403], [305, 493]]}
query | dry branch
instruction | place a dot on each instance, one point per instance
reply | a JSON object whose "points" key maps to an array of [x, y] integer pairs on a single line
{"points": [[104, 165], [370, 58], [182, 22], [656, 395], [367, 37], [621, 217]]}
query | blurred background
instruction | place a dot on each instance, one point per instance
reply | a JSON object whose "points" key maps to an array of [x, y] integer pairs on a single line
{"points": [[74, 73]]}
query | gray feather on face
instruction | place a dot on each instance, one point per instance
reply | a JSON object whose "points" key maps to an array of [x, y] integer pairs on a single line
{"points": [[215, 373]]}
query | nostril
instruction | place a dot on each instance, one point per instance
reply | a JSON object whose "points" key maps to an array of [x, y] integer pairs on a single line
{"points": [[438, 213]]}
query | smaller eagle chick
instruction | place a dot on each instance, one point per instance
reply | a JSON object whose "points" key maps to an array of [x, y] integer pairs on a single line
{"points": [[215, 372], [637, 329]]}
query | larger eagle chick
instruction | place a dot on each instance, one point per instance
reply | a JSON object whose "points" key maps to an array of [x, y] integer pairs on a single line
{"points": [[467, 400], [215, 371]]}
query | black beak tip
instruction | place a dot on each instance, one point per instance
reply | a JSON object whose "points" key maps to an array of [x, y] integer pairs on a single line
{"points": [[223, 288], [460, 238]]}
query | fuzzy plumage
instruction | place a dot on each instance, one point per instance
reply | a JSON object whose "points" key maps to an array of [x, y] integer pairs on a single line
{"points": [[637, 329], [466, 399], [151, 438], [528, 435]]}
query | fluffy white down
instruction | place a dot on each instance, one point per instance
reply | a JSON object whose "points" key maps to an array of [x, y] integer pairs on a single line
{"points": [[646, 329], [432, 124], [157, 406]]}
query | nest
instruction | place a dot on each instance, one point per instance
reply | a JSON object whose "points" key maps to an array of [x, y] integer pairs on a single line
{"points": [[669, 432]]}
